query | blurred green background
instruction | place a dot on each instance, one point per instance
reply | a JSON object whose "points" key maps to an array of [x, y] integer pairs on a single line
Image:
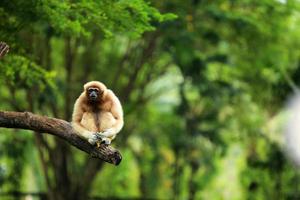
{"points": [[203, 85]]}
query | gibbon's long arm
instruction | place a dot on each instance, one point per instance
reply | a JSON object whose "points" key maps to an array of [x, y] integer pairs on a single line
{"points": [[117, 112], [76, 119]]}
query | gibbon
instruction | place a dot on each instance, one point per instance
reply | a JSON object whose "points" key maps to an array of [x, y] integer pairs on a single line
{"points": [[98, 114]]}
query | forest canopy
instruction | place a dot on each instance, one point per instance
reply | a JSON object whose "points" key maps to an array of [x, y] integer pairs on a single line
{"points": [[203, 85]]}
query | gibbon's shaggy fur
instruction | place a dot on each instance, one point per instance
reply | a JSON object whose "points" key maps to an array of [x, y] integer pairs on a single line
{"points": [[97, 114]]}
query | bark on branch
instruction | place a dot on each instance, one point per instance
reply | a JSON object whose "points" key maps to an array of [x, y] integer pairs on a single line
{"points": [[59, 128], [4, 48]]}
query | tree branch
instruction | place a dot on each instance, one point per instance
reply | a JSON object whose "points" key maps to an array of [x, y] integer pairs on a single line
{"points": [[4, 48], [59, 128]]}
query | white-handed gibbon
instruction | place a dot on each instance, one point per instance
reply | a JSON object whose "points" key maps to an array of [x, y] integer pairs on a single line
{"points": [[97, 114]]}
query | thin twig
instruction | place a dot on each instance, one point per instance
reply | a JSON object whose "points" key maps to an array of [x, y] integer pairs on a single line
{"points": [[4, 49]]}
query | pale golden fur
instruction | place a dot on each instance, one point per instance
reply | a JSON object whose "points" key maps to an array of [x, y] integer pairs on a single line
{"points": [[104, 117]]}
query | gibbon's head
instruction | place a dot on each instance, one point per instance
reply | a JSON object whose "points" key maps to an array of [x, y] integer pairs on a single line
{"points": [[95, 90]]}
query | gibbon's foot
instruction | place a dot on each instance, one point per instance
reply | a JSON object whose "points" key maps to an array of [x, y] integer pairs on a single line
{"points": [[92, 141], [98, 143], [104, 138], [99, 136], [106, 141], [95, 138], [98, 139]]}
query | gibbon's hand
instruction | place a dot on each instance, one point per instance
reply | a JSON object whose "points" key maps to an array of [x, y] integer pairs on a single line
{"points": [[104, 138], [95, 137]]}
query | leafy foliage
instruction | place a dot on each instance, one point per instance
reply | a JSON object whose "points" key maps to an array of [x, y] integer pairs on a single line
{"points": [[202, 86]]}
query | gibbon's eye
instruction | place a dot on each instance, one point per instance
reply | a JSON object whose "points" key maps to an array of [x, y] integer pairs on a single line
{"points": [[90, 90]]}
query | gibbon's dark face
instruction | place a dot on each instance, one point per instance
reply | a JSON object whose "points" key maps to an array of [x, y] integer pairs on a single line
{"points": [[94, 94]]}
